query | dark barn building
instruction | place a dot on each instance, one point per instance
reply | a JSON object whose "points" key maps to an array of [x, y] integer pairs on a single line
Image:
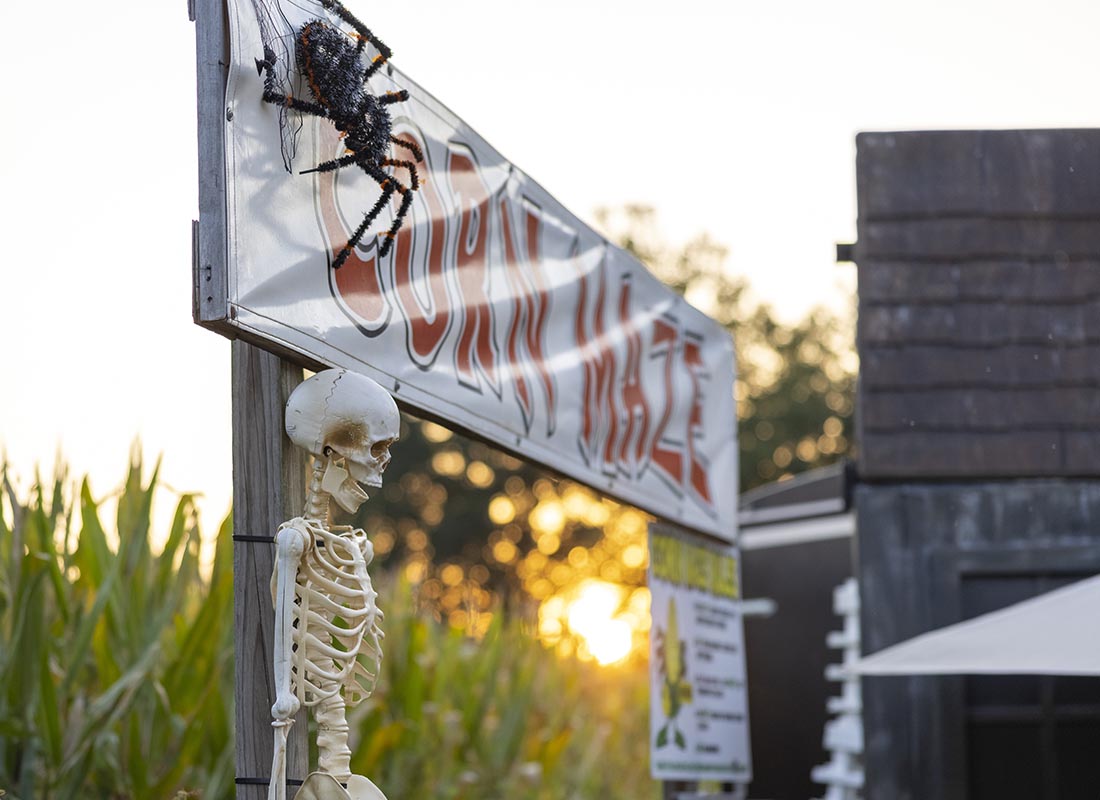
{"points": [[979, 433]]}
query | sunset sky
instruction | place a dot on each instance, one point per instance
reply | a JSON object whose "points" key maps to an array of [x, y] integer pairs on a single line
{"points": [[730, 118]]}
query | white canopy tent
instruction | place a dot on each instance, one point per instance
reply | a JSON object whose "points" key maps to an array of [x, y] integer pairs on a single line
{"points": [[1057, 633]]}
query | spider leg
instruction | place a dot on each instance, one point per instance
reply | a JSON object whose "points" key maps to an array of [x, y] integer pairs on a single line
{"points": [[376, 62], [389, 186], [393, 97], [387, 192], [414, 181], [336, 163], [272, 95], [403, 209], [279, 99], [384, 53], [391, 234], [409, 145]]}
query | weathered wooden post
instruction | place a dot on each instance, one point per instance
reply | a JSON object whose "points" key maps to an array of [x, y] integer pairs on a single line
{"points": [[269, 476]]}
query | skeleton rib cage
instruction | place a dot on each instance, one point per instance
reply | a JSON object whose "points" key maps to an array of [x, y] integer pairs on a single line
{"points": [[336, 622]]}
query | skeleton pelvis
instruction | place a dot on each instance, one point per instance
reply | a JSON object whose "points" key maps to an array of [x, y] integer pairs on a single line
{"points": [[322, 786]]}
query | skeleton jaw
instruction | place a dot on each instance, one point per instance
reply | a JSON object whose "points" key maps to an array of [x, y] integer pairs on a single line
{"points": [[343, 488]]}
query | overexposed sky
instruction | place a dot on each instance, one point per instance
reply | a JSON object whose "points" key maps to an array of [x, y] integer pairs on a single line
{"points": [[733, 118]]}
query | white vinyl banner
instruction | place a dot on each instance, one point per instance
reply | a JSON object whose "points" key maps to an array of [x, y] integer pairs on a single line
{"points": [[698, 714], [495, 310]]}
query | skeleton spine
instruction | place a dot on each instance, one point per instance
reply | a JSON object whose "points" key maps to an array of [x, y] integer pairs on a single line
{"points": [[317, 505]]}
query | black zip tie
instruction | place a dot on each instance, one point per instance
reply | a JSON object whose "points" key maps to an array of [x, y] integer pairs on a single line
{"points": [[268, 540], [265, 782]]}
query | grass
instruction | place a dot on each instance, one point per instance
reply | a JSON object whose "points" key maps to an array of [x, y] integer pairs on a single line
{"points": [[116, 675]]}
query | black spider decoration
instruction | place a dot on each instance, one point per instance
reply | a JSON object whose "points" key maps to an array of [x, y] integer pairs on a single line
{"points": [[330, 61]]}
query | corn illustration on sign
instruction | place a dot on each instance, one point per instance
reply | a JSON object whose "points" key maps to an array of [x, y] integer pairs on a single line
{"points": [[699, 726], [675, 687]]}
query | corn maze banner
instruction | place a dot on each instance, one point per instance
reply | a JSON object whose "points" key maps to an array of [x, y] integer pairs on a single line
{"points": [[495, 309], [698, 710]]}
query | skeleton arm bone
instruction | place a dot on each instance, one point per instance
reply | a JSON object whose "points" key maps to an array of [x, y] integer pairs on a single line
{"points": [[290, 543]]}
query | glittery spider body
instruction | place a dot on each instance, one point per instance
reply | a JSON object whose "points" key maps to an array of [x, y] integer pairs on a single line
{"points": [[330, 61]]}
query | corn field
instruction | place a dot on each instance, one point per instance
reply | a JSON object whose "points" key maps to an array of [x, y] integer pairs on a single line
{"points": [[116, 675]]}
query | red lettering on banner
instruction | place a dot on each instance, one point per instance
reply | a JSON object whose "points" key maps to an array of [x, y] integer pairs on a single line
{"points": [[423, 300], [699, 479], [521, 317], [359, 281], [634, 405], [476, 345], [541, 313], [668, 458], [530, 313], [668, 455], [599, 416]]}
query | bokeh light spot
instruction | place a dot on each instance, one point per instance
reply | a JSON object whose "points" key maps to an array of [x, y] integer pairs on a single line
{"points": [[501, 510], [480, 474], [449, 463], [434, 433]]}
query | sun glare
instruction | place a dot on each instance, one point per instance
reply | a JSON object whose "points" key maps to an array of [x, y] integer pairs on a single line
{"points": [[592, 616], [611, 641]]}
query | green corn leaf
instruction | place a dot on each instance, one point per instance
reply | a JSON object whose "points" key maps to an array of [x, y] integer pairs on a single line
{"points": [[49, 712], [179, 533], [93, 555], [84, 632], [22, 667], [136, 765], [110, 706], [43, 527]]}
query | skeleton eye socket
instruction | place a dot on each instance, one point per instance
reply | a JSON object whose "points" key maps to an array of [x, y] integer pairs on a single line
{"points": [[378, 449]]}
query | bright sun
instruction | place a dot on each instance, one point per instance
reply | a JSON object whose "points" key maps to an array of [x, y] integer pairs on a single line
{"points": [[592, 617]]}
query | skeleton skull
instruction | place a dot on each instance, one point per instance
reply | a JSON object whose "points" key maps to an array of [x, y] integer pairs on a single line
{"points": [[350, 421]]}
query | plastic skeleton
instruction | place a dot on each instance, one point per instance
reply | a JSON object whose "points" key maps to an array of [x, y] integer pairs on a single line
{"points": [[327, 624]]}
